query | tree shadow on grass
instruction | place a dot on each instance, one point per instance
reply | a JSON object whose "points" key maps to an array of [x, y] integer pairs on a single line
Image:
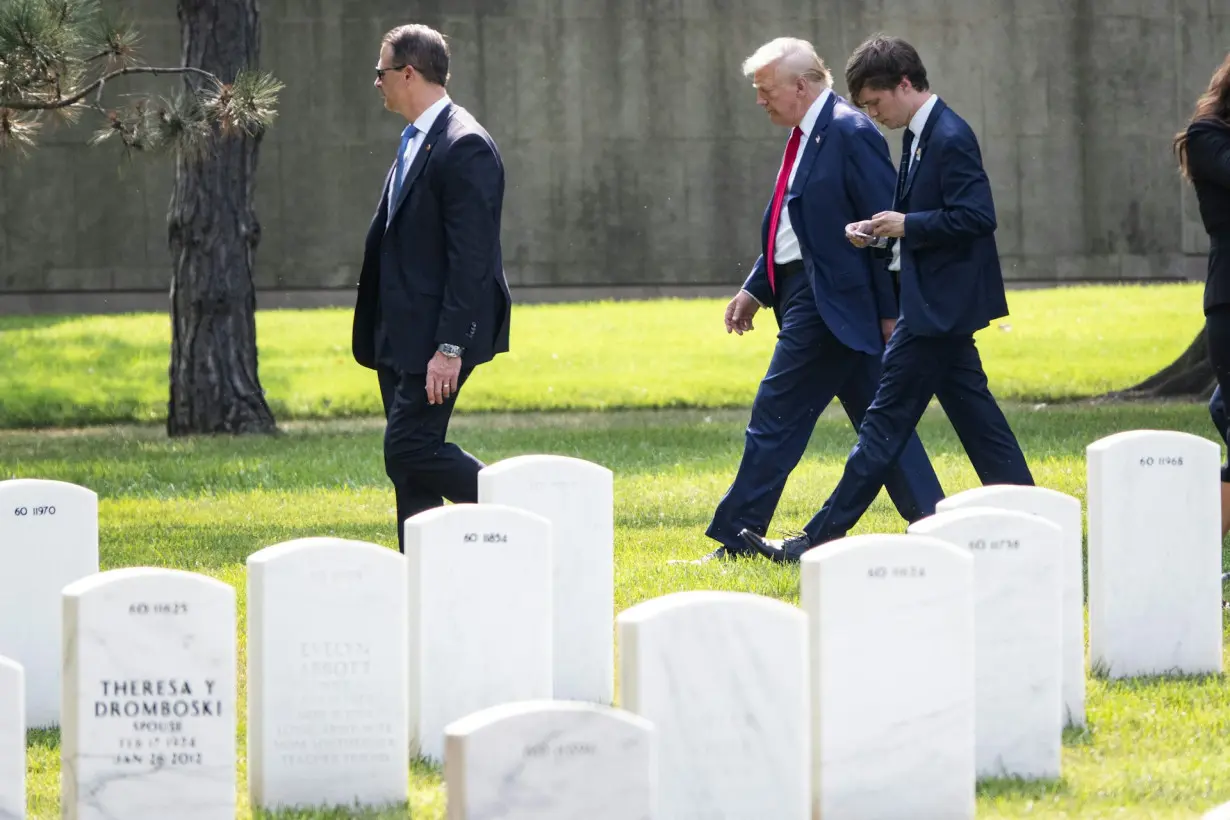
{"points": [[394, 810], [197, 547], [420, 770], [32, 322], [1146, 683], [46, 739], [1016, 787], [1077, 735], [45, 743]]}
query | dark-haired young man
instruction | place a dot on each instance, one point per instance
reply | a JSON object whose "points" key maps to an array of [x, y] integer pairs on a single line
{"points": [[941, 234], [433, 302]]}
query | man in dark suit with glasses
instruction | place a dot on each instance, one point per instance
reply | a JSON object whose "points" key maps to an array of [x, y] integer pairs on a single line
{"points": [[433, 302]]}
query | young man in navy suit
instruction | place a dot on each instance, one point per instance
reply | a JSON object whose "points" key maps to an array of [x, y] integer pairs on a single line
{"points": [[834, 303], [942, 248], [433, 302]]}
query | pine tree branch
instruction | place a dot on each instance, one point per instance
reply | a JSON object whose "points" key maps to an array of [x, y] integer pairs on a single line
{"points": [[23, 105]]}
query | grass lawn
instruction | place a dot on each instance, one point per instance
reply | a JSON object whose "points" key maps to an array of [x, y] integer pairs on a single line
{"points": [[1055, 345], [1154, 748]]}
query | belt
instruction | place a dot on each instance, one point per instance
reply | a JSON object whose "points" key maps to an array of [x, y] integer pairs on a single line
{"points": [[784, 271]]}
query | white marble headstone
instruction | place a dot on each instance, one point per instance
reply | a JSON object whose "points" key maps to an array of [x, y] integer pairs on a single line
{"points": [[723, 678], [149, 697], [48, 539], [1154, 554], [1221, 812], [328, 676], [12, 741], [1018, 647], [1064, 511], [550, 760], [892, 651], [480, 629], [577, 497]]}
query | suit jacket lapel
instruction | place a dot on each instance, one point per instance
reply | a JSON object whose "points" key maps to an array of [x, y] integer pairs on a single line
{"points": [[420, 159], [811, 146], [383, 206], [920, 144]]}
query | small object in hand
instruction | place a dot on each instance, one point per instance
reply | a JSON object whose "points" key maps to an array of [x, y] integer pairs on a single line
{"points": [[872, 240]]}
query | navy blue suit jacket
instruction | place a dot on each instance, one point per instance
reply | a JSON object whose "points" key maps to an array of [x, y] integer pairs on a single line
{"points": [[845, 174], [434, 273], [951, 282]]}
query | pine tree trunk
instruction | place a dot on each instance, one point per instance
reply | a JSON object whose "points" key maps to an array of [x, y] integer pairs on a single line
{"points": [[213, 234], [1189, 376]]}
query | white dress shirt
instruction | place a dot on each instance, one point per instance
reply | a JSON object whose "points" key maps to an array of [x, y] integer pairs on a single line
{"points": [[917, 123], [423, 123], [786, 245]]}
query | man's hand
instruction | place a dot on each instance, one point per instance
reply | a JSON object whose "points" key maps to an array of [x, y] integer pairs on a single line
{"points": [[854, 229], [887, 326], [442, 374], [888, 223], [740, 311]]}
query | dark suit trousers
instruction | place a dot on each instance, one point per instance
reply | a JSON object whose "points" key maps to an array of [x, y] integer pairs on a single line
{"points": [[1217, 340], [424, 468], [809, 368], [915, 369]]}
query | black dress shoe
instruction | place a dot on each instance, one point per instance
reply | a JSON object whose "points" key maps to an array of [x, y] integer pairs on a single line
{"points": [[719, 554], [785, 551]]}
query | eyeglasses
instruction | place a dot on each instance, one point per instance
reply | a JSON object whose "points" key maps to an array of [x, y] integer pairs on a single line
{"points": [[380, 71]]}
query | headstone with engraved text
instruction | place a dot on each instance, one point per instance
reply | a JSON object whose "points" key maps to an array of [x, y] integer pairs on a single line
{"points": [[576, 496], [1065, 512], [550, 760], [722, 676], [48, 539], [328, 682], [149, 697], [480, 627], [1018, 647], [892, 685], [1154, 554]]}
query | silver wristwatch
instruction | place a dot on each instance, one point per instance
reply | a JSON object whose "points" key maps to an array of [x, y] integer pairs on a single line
{"points": [[451, 351]]}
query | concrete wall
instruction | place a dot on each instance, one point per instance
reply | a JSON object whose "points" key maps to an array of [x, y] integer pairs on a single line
{"points": [[637, 160]]}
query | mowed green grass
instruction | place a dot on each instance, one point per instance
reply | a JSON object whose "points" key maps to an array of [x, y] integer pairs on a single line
{"points": [[1153, 748], [1056, 344]]}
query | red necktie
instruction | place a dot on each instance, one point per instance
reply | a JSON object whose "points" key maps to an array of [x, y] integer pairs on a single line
{"points": [[779, 193]]}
